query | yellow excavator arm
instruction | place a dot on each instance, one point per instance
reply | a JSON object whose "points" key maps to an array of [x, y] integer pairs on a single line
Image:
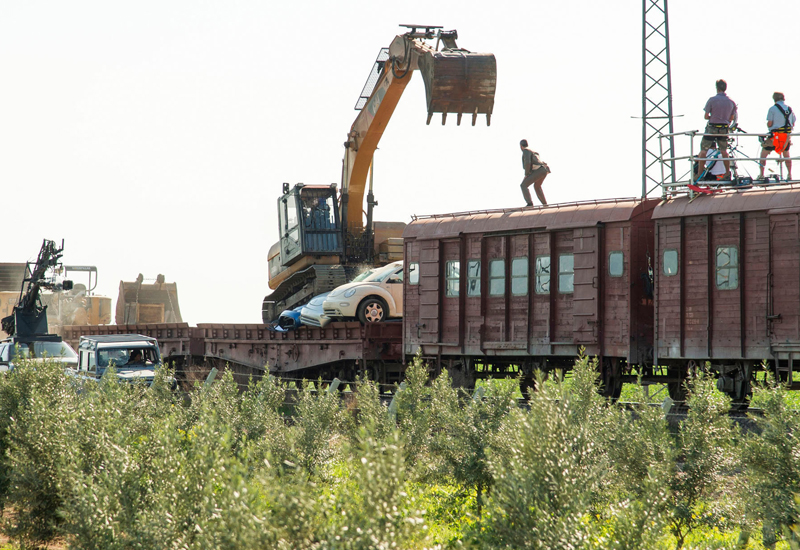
{"points": [[456, 81]]}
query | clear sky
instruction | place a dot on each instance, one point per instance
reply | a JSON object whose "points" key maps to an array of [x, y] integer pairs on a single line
{"points": [[154, 136]]}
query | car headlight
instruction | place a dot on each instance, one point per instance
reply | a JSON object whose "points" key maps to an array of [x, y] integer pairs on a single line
{"points": [[350, 292]]}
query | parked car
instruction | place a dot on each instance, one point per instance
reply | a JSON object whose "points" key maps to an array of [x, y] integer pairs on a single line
{"points": [[36, 348], [312, 313], [289, 319], [134, 356], [376, 297]]}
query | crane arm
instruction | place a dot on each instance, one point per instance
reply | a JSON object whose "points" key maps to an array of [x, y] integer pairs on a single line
{"points": [[456, 81]]}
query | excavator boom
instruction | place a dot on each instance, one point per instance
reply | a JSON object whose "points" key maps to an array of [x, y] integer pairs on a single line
{"points": [[457, 81], [322, 241]]}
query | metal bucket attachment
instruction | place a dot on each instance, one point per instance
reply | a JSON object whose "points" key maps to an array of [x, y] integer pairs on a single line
{"points": [[459, 82]]}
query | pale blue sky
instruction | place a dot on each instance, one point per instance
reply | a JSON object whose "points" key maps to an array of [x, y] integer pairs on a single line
{"points": [[154, 136]]}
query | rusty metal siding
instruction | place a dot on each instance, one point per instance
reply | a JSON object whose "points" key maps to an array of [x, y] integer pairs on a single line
{"points": [[553, 218], [730, 202], [785, 287], [641, 292], [563, 326], [540, 312], [756, 274], [411, 294], [696, 290], [585, 300], [494, 328], [518, 305], [451, 311], [430, 267], [615, 322], [473, 316], [726, 306], [669, 312]]}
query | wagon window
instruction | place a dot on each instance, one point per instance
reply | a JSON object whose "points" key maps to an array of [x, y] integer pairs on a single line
{"points": [[452, 271], [727, 267], [497, 278], [519, 276], [542, 275], [413, 273], [474, 278], [670, 262], [566, 273], [616, 264]]}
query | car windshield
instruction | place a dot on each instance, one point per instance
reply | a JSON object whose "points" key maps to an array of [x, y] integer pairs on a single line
{"points": [[138, 357], [380, 275], [362, 276], [44, 349]]}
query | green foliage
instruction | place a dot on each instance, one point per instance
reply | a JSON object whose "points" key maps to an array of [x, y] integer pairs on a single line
{"points": [[771, 456], [548, 469], [463, 431], [371, 412], [414, 411], [374, 509], [112, 466], [704, 454], [319, 420]]}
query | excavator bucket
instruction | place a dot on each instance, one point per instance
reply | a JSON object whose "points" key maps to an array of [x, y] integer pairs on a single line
{"points": [[459, 82], [147, 303]]}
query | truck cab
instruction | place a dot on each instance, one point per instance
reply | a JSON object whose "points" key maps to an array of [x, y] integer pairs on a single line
{"points": [[134, 356]]}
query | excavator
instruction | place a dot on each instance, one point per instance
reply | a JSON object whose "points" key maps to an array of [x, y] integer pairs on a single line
{"points": [[324, 238]]}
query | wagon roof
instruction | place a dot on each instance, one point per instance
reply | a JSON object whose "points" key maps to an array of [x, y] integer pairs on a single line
{"points": [[785, 196], [557, 216]]}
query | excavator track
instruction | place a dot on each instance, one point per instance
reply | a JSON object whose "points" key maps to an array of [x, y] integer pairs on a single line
{"points": [[300, 287]]}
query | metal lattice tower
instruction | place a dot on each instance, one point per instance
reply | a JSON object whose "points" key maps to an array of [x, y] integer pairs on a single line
{"points": [[656, 97]]}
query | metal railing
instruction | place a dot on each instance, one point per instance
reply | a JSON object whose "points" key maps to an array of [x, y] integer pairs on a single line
{"points": [[745, 170]]}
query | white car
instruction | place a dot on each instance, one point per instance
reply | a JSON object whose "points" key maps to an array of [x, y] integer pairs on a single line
{"points": [[374, 296], [38, 349]]}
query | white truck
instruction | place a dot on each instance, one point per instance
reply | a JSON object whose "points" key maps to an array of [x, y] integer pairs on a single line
{"points": [[134, 356]]}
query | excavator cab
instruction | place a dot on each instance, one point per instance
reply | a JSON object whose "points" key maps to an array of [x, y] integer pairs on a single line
{"points": [[309, 222]]}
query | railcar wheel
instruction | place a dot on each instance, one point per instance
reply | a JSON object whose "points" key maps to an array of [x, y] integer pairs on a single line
{"points": [[372, 310], [677, 389], [611, 379], [461, 375]]}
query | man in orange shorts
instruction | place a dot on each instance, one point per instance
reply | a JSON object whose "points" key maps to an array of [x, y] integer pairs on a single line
{"points": [[780, 121]]}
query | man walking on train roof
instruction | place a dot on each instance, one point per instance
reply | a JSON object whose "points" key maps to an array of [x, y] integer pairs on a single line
{"points": [[535, 172], [780, 121], [720, 112]]}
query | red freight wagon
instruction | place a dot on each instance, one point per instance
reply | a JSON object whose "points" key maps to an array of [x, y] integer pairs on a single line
{"points": [[727, 282], [530, 287]]}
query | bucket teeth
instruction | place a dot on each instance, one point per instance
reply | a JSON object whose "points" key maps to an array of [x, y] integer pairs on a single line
{"points": [[459, 82]]}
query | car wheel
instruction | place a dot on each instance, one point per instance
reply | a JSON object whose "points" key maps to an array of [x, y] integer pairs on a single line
{"points": [[372, 310]]}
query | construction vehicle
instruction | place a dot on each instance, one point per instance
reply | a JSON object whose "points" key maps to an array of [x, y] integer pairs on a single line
{"points": [[324, 238], [141, 302], [77, 306], [28, 319]]}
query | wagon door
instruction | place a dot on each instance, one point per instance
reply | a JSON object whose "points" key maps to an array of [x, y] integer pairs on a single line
{"points": [[428, 325], [587, 285], [784, 284]]}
